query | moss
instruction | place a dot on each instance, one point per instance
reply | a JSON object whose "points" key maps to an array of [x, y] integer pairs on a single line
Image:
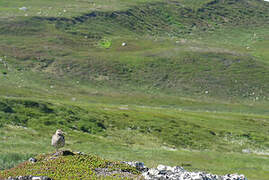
{"points": [[68, 166]]}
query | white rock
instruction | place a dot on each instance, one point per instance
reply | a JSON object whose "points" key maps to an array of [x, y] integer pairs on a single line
{"points": [[169, 168], [146, 175], [23, 8], [160, 177], [32, 160], [123, 44], [196, 177], [178, 173], [36, 178], [161, 167], [153, 172], [177, 169]]}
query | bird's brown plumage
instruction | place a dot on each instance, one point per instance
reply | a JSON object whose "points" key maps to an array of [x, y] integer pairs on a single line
{"points": [[58, 140]]}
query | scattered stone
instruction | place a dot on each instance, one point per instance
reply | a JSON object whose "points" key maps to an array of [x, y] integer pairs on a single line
{"points": [[36, 178], [79, 153], [140, 166], [29, 178], [162, 169], [64, 153], [32, 160], [178, 173], [59, 154], [153, 172], [116, 173], [23, 8]]}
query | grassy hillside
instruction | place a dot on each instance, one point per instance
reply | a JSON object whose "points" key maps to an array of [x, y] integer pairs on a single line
{"points": [[191, 81], [165, 51]]}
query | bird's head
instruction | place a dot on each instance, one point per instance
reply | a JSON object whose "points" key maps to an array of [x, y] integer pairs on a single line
{"points": [[59, 132]]}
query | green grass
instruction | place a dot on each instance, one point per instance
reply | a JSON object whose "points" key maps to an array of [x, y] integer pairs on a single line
{"points": [[88, 48], [119, 132], [59, 8], [191, 85], [9, 160], [152, 152]]}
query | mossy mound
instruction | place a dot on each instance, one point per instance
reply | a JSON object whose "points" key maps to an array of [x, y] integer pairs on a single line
{"points": [[69, 165]]}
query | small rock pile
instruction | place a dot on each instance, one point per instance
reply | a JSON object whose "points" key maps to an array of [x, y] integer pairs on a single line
{"points": [[179, 173], [140, 166], [29, 178]]}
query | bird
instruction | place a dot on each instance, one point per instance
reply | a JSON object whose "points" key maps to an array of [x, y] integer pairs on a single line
{"points": [[58, 140]]}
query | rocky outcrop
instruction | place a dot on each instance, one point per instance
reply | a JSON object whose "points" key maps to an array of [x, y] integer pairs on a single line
{"points": [[179, 173]]}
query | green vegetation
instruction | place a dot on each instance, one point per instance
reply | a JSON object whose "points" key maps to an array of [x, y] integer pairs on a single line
{"points": [[105, 43], [9, 160], [190, 86], [186, 129], [69, 166]]}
